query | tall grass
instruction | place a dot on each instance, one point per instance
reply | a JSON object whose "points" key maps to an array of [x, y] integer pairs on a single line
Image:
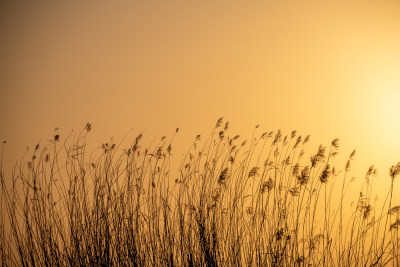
{"points": [[231, 203]]}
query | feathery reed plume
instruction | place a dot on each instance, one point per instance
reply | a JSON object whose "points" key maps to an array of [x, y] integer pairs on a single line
{"points": [[394, 170], [295, 170], [335, 143], [88, 127], [348, 163], [267, 186], [223, 176], [264, 135], [304, 175], [277, 137], [371, 171], [221, 135], [169, 148], [325, 174], [352, 155], [294, 191], [254, 171], [249, 210], [226, 126], [297, 142], [319, 157], [219, 122], [394, 210], [395, 225], [287, 160]]}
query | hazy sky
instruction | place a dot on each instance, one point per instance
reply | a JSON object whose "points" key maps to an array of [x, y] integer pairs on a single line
{"points": [[326, 68]]}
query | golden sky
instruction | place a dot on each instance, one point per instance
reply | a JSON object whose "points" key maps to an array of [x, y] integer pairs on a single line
{"points": [[326, 68]]}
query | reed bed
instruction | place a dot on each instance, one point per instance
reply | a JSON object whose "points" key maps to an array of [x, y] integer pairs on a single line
{"points": [[260, 202]]}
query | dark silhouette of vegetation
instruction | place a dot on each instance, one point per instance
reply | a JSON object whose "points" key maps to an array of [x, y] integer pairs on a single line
{"points": [[232, 203]]}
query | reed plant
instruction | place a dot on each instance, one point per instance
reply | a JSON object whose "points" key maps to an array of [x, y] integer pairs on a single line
{"points": [[260, 202]]}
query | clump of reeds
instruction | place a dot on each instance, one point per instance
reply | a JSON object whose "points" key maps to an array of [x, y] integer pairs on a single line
{"points": [[232, 202]]}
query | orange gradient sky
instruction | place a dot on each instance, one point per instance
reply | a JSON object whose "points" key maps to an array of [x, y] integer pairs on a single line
{"points": [[329, 69]]}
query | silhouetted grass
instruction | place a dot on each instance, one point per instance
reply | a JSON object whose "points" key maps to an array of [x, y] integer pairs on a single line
{"points": [[232, 203]]}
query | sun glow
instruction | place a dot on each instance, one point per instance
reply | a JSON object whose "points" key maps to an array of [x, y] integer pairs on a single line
{"points": [[385, 108], [389, 112]]}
